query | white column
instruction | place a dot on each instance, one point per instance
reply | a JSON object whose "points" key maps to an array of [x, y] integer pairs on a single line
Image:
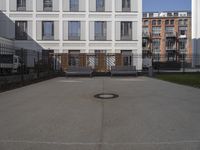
{"points": [[61, 27]]}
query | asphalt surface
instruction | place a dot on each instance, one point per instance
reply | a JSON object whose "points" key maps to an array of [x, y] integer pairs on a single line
{"points": [[62, 114]]}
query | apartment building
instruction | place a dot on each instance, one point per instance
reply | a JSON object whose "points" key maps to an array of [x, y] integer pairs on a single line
{"points": [[76, 27], [196, 32], [167, 34]]}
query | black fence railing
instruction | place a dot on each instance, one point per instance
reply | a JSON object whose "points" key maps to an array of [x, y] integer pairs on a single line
{"points": [[24, 65]]}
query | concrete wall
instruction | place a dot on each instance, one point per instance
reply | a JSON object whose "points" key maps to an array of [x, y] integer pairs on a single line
{"points": [[196, 32]]}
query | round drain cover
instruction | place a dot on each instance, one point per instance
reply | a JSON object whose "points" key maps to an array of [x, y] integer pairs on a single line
{"points": [[106, 96]]}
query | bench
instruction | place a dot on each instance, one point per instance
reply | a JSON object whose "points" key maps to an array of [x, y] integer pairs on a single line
{"points": [[123, 70], [76, 70]]}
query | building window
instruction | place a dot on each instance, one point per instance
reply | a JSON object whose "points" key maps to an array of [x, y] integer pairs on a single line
{"points": [[156, 45], [183, 22], [154, 22], [166, 22], [74, 59], [48, 30], [74, 30], [145, 44], [146, 22], [126, 30], [100, 30], [145, 31], [172, 22], [74, 5], [169, 30], [182, 44], [144, 15], [170, 44], [47, 5], [156, 31], [182, 31], [21, 5], [126, 5], [169, 14], [21, 30], [159, 22], [150, 15], [127, 57], [100, 5]]}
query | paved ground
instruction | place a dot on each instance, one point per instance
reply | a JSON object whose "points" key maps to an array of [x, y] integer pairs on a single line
{"points": [[62, 114]]}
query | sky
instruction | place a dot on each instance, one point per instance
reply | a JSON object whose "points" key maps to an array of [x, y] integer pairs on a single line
{"points": [[166, 5]]}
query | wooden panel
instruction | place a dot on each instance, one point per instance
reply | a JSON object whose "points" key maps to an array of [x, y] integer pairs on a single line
{"points": [[83, 60], [64, 61], [101, 66], [118, 59]]}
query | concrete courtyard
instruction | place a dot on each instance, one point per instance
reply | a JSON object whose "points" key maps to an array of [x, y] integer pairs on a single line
{"points": [[62, 114]]}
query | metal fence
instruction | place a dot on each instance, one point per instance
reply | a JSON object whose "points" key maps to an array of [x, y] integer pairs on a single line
{"points": [[24, 65], [102, 62], [172, 62], [24, 61]]}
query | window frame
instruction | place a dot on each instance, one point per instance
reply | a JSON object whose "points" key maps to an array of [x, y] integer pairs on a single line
{"points": [[74, 5], [101, 33], [49, 37], [22, 6], [100, 8], [21, 34], [76, 36], [48, 8], [126, 34], [126, 5]]}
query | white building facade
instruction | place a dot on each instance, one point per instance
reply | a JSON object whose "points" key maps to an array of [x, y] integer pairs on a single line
{"points": [[196, 32], [66, 25]]}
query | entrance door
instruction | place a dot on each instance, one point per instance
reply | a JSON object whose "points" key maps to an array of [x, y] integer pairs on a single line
{"points": [[100, 61]]}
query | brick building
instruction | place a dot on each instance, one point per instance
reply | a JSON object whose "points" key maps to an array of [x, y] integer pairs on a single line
{"points": [[167, 34]]}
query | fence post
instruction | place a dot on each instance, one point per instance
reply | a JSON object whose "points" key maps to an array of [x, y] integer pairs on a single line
{"points": [[22, 64], [183, 63], [38, 63]]}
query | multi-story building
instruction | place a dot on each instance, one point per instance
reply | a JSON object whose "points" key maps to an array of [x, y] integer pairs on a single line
{"points": [[167, 34], [76, 27], [196, 32]]}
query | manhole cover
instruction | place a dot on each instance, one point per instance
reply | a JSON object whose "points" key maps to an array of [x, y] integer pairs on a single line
{"points": [[106, 96]]}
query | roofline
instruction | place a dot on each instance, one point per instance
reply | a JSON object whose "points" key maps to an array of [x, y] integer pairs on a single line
{"points": [[167, 11]]}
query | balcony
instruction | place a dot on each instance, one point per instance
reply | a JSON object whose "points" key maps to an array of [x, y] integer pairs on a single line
{"points": [[146, 48], [156, 35], [170, 48], [170, 34], [182, 36]]}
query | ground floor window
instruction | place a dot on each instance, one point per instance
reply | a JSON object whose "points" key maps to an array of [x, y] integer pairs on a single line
{"points": [[74, 57], [127, 57]]}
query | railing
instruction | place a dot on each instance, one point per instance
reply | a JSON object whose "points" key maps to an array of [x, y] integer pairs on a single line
{"points": [[170, 34], [156, 34], [171, 48], [145, 34]]}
